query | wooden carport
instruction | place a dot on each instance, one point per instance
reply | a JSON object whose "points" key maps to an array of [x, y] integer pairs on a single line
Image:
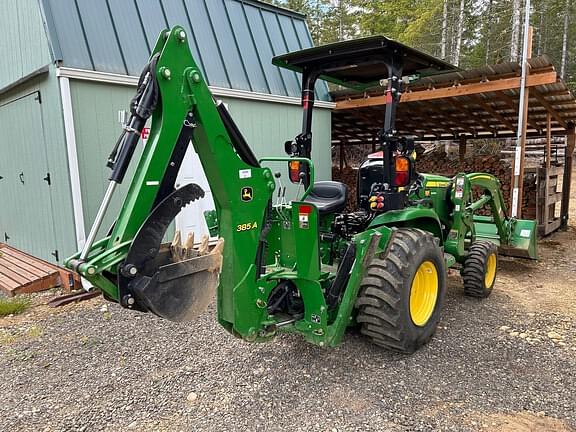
{"points": [[478, 103]]}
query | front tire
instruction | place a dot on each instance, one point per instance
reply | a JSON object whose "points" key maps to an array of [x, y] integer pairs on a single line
{"points": [[402, 293], [480, 268]]}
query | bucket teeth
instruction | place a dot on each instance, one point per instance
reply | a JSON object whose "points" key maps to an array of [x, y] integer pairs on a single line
{"points": [[189, 244], [219, 248], [176, 240], [181, 252], [203, 248]]}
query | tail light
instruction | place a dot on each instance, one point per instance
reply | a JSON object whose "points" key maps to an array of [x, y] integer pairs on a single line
{"points": [[294, 171], [402, 171]]}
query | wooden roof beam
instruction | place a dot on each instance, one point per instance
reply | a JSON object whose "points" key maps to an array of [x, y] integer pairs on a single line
{"points": [[487, 125], [480, 101], [513, 105], [462, 90], [420, 110], [550, 108], [377, 118]]}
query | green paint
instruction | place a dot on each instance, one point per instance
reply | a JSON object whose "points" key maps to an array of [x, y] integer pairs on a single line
{"points": [[38, 218], [24, 45]]}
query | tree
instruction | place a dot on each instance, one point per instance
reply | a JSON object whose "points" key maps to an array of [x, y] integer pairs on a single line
{"points": [[514, 43], [444, 42], [459, 33], [470, 33], [565, 42]]}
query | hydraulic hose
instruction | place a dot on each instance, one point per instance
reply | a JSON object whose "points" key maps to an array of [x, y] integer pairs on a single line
{"points": [[141, 107]]}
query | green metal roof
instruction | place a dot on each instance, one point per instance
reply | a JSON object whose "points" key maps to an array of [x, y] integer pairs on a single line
{"points": [[233, 41]]}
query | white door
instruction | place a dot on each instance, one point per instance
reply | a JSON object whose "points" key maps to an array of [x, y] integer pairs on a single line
{"points": [[191, 218]]}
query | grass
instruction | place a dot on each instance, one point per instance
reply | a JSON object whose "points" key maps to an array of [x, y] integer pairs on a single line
{"points": [[13, 306]]}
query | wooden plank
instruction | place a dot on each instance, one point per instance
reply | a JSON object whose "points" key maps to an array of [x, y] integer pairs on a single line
{"points": [[552, 226], [554, 198], [23, 273], [14, 276], [26, 266], [5, 264], [461, 90], [556, 171], [513, 105], [6, 283], [482, 103], [460, 108], [39, 285], [550, 109], [36, 262]]}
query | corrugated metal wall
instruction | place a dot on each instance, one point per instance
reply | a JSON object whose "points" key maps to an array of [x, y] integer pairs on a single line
{"points": [[37, 217], [23, 45], [265, 125]]}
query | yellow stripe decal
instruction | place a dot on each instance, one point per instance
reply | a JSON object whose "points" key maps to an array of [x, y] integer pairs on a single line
{"points": [[481, 176], [436, 184]]}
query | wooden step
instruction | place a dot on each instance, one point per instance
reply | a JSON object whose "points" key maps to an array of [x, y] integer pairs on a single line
{"points": [[23, 273]]}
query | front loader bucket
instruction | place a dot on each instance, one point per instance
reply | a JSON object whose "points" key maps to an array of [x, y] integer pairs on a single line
{"points": [[181, 290], [523, 240]]}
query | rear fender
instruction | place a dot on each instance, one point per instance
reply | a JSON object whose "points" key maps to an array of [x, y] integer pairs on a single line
{"points": [[422, 218]]}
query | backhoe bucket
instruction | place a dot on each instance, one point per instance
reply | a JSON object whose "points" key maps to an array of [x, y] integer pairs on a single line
{"points": [[175, 281], [180, 290]]}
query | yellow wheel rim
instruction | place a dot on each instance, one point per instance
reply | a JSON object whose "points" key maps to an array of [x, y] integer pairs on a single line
{"points": [[424, 293], [490, 270]]}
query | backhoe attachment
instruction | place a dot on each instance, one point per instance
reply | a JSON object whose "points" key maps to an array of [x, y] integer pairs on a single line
{"points": [[132, 265]]}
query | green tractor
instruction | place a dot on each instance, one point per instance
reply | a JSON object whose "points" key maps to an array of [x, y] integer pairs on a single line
{"points": [[301, 266]]}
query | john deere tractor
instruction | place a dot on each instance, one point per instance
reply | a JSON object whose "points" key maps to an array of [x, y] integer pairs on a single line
{"points": [[303, 265]]}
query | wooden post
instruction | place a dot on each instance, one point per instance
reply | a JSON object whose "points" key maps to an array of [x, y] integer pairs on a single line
{"points": [[567, 178], [547, 172], [518, 180], [462, 148], [341, 148]]}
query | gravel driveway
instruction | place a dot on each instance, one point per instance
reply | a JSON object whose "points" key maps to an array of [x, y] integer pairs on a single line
{"points": [[93, 366], [506, 364]]}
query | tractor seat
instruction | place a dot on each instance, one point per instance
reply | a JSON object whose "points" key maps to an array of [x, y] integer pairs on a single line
{"points": [[328, 196]]}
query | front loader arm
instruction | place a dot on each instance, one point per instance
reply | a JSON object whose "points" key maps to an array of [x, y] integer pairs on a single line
{"points": [[241, 189]]}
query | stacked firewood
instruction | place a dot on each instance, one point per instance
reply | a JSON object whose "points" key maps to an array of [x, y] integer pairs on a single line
{"points": [[438, 163]]}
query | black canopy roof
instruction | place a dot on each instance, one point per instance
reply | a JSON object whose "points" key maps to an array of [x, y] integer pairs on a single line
{"points": [[360, 63]]}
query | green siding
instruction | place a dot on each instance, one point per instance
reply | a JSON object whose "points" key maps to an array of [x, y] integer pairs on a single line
{"points": [[38, 217], [265, 126], [23, 46], [95, 109]]}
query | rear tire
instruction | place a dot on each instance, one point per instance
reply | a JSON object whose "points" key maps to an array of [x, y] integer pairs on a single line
{"points": [[480, 269], [402, 292]]}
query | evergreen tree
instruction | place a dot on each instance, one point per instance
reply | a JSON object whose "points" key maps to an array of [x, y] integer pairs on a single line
{"points": [[471, 33]]}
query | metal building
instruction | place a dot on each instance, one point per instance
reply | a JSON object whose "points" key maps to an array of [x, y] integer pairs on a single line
{"points": [[70, 66]]}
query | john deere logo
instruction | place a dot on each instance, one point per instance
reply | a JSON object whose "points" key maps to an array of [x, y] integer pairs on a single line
{"points": [[246, 194]]}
